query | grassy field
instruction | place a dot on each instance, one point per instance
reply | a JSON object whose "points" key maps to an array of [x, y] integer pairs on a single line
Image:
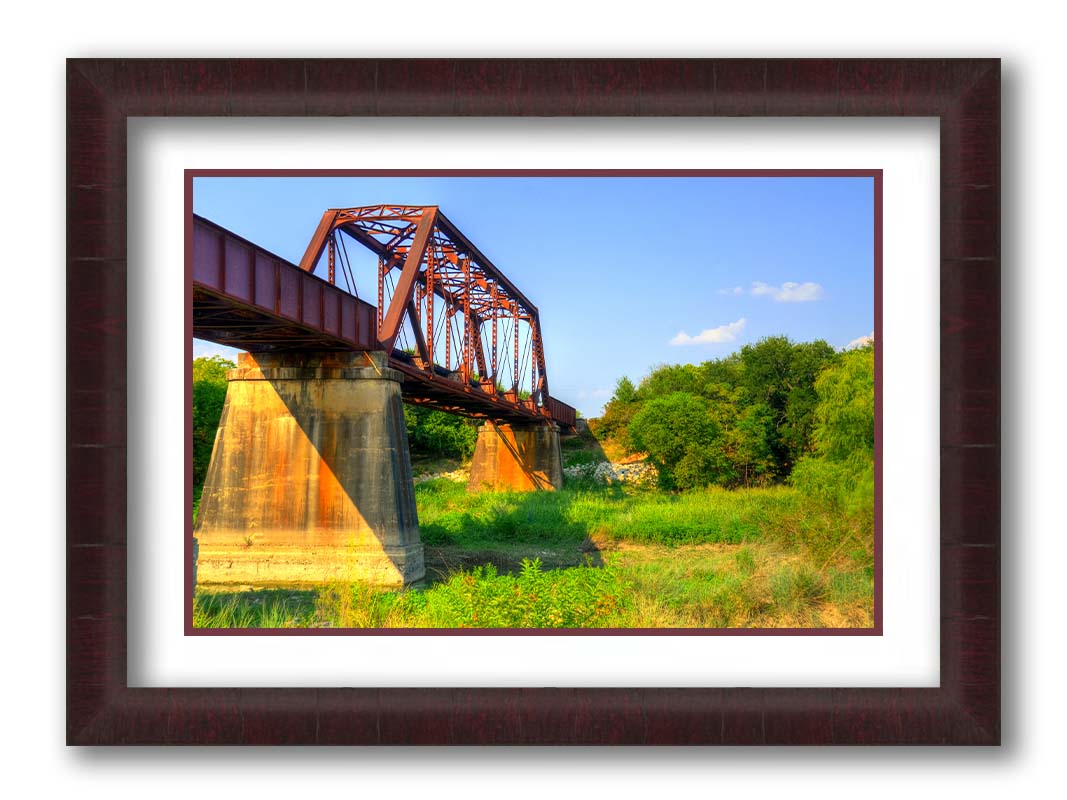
{"points": [[596, 556]]}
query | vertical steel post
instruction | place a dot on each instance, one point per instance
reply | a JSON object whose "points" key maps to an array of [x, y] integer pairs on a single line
{"points": [[515, 332], [449, 313], [534, 383], [493, 305], [381, 292], [430, 263], [466, 369], [331, 255]]}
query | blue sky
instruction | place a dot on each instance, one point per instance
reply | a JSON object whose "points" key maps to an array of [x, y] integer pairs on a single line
{"points": [[627, 272]]}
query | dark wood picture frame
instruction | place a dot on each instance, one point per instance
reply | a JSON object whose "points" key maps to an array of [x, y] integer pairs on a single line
{"points": [[963, 93]]}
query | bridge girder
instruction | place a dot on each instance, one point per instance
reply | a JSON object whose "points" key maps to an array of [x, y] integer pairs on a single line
{"points": [[436, 260], [447, 296]]}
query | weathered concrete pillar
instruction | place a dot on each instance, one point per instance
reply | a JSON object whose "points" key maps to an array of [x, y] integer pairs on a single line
{"points": [[516, 457], [310, 479]]}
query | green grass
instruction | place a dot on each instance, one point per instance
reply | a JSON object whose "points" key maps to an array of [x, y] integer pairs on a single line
{"points": [[708, 558], [267, 608], [637, 587], [449, 515], [579, 597]]}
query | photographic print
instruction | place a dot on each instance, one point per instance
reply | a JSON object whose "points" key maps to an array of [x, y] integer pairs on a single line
{"points": [[582, 402], [134, 130]]}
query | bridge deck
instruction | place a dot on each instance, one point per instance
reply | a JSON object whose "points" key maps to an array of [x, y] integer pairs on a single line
{"points": [[246, 297]]}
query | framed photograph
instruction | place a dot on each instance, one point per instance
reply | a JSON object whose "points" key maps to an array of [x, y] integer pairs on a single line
{"points": [[720, 602], [674, 503]]}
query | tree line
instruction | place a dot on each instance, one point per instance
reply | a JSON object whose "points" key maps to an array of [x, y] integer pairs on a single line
{"points": [[774, 411]]}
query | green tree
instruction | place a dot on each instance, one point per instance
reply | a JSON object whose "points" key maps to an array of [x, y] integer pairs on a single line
{"points": [[625, 391], [844, 416], [721, 371], [209, 395], [808, 362], [614, 423], [680, 436], [841, 470], [761, 401], [781, 375], [668, 378], [438, 433], [725, 405], [755, 456]]}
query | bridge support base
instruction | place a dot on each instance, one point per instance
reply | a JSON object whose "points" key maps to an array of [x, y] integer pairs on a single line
{"points": [[519, 458], [310, 479]]}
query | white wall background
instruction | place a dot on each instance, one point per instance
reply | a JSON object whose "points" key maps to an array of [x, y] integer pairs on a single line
{"points": [[38, 37]]}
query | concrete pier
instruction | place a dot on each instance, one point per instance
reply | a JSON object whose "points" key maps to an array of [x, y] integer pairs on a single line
{"points": [[310, 478], [520, 458]]}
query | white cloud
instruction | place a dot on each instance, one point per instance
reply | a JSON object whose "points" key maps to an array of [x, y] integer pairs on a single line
{"points": [[859, 341], [789, 292], [735, 290], [724, 333]]}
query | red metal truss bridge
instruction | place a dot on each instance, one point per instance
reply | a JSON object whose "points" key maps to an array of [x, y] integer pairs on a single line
{"points": [[464, 337]]}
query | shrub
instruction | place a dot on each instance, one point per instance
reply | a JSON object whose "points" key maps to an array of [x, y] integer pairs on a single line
{"points": [[438, 433], [580, 597], [847, 486], [209, 395]]}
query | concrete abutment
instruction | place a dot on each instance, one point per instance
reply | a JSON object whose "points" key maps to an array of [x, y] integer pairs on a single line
{"points": [[517, 458], [310, 478]]}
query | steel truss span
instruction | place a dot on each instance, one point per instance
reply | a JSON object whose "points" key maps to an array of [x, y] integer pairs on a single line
{"points": [[466, 339]]}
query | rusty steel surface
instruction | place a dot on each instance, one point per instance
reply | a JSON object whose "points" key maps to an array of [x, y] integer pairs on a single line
{"points": [[465, 338], [247, 297]]}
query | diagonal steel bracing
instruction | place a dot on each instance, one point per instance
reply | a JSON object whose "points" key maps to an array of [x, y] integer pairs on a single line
{"points": [[475, 338]]}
